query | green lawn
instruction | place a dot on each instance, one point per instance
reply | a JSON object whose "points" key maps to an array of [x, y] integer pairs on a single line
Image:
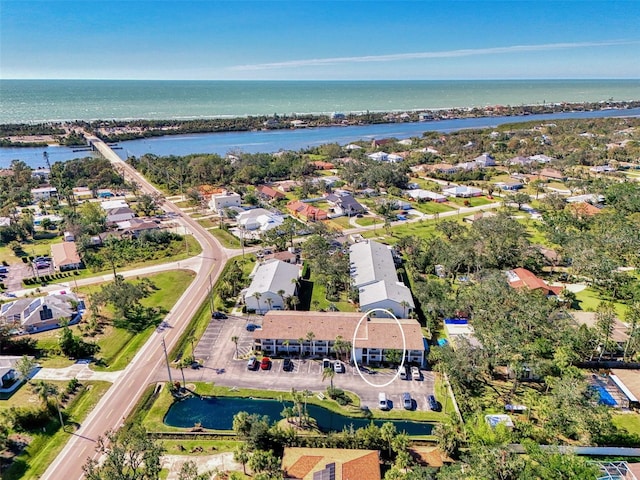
{"points": [[366, 221], [207, 223], [589, 299], [472, 202], [39, 245], [118, 346], [227, 239], [432, 207], [45, 446], [318, 294], [341, 222], [628, 421]]}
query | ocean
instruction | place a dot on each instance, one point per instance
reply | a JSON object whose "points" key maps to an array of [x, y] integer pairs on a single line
{"points": [[35, 101]]}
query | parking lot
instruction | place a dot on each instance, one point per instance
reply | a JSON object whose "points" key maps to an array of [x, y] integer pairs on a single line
{"points": [[217, 352]]}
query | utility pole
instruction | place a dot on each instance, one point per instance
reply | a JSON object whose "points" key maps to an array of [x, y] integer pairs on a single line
{"points": [[166, 357], [210, 295]]}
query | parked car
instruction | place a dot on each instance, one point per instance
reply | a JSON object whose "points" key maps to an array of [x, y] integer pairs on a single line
{"points": [[433, 403], [326, 363], [404, 372], [4, 269], [407, 401], [338, 366], [252, 327], [383, 403], [415, 373], [252, 363], [287, 365], [218, 316], [265, 364]]}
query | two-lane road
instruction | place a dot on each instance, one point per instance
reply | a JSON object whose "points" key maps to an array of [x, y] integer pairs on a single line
{"points": [[119, 400]]}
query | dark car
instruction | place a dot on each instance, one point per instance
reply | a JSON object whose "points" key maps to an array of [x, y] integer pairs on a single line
{"points": [[251, 327], [218, 315], [433, 403], [287, 365], [265, 364]]}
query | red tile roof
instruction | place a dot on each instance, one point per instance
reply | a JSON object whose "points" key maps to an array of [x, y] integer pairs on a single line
{"points": [[270, 192], [525, 278], [302, 463]]}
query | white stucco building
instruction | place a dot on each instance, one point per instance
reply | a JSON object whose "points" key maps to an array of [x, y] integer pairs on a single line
{"points": [[272, 282], [373, 273], [224, 200]]}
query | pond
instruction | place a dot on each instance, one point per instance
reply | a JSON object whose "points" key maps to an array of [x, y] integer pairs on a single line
{"points": [[217, 413]]}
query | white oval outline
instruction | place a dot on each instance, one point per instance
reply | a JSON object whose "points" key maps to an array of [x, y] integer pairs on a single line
{"points": [[353, 348]]}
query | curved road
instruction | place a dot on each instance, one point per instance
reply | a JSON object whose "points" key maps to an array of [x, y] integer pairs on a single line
{"points": [[120, 399]]}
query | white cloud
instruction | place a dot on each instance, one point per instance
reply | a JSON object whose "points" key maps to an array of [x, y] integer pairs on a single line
{"points": [[469, 52]]}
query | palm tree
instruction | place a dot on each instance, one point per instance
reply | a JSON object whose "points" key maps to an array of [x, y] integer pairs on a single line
{"points": [[310, 337], [295, 301], [269, 302], [257, 296], [285, 344], [404, 305], [301, 343], [235, 339], [341, 347], [281, 292], [45, 390], [329, 373]]}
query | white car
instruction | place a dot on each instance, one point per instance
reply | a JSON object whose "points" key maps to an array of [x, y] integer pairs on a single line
{"points": [[415, 373], [338, 367]]}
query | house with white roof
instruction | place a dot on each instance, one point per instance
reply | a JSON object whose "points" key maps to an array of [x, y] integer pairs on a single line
{"points": [[119, 214], [273, 281], [485, 160], [462, 191], [43, 193], [259, 219], [224, 200], [373, 273], [420, 194], [33, 315], [111, 204], [379, 156]]}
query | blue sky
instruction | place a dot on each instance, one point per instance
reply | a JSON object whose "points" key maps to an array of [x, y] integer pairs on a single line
{"points": [[319, 40]]}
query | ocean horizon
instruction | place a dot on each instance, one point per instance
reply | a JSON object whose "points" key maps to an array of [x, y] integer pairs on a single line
{"points": [[39, 101]]}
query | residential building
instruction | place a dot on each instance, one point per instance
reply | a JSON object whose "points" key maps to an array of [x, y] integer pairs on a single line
{"points": [[285, 256], [224, 200], [272, 282], [82, 193], [373, 274], [344, 204], [320, 165], [540, 158], [306, 211], [303, 463], [267, 193], [43, 193], [65, 256], [374, 336], [519, 161], [32, 315], [444, 168], [426, 195], [119, 214], [41, 173], [107, 205], [583, 210], [462, 191], [552, 174], [259, 219], [523, 278], [485, 160], [510, 186], [6, 221], [379, 156], [136, 226], [592, 198]]}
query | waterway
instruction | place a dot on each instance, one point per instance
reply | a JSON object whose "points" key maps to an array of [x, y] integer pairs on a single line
{"points": [[217, 413], [275, 140]]}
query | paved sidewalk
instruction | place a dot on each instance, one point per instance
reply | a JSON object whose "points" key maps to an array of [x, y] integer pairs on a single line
{"points": [[81, 371]]}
